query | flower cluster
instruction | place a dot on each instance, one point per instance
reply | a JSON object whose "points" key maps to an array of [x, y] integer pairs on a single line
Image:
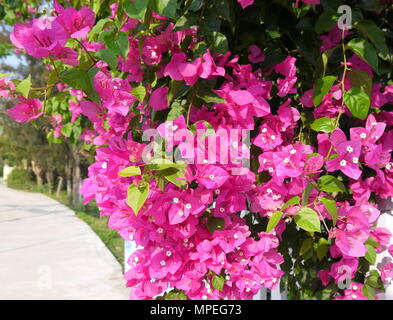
{"points": [[197, 221]]}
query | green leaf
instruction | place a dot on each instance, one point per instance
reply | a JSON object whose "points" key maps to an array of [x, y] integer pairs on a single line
{"points": [[306, 245], [118, 44], [291, 202], [371, 254], [374, 280], [368, 291], [372, 242], [358, 102], [326, 21], [273, 221], [175, 295], [308, 220], [130, 171], [306, 194], [324, 124], [218, 282], [329, 183], [214, 223], [80, 79], [162, 164], [374, 34], [322, 249], [136, 9], [24, 86], [123, 43], [186, 21], [167, 8], [208, 95], [139, 92], [66, 130], [3, 75], [364, 50], [331, 207], [108, 56], [175, 176], [136, 196], [218, 42], [97, 29], [361, 79], [321, 88]]}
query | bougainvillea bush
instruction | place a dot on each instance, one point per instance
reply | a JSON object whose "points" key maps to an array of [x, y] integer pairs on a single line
{"points": [[241, 144]]}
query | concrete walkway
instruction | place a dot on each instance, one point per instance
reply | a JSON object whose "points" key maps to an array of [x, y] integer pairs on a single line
{"points": [[48, 253]]}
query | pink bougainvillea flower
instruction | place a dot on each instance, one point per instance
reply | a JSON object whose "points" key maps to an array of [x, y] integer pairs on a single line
{"points": [[286, 68], [255, 54], [159, 99], [28, 109], [190, 71], [344, 269], [169, 129], [212, 177], [245, 3], [323, 275], [371, 133], [76, 23], [6, 87], [172, 68], [93, 111], [67, 55], [387, 273], [354, 292], [42, 38], [351, 243], [382, 236], [347, 160]]}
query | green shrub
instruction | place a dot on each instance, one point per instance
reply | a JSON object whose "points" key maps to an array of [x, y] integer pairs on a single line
{"points": [[19, 179]]}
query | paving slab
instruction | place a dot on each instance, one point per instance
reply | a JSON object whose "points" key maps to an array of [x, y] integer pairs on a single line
{"points": [[46, 252]]}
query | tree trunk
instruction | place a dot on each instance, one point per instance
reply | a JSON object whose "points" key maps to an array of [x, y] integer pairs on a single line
{"points": [[76, 178], [68, 175], [37, 171], [59, 186], [49, 178]]}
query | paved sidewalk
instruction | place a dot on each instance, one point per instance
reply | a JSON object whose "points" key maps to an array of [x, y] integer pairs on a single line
{"points": [[48, 253]]}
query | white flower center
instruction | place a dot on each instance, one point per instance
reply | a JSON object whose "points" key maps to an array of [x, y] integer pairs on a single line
{"points": [[293, 151], [268, 190], [355, 287], [222, 209], [235, 236], [162, 262], [349, 149], [264, 130], [188, 206], [271, 169], [211, 176], [363, 135], [343, 163], [175, 200], [168, 253], [286, 160], [180, 212], [273, 137], [160, 230], [355, 160]]}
